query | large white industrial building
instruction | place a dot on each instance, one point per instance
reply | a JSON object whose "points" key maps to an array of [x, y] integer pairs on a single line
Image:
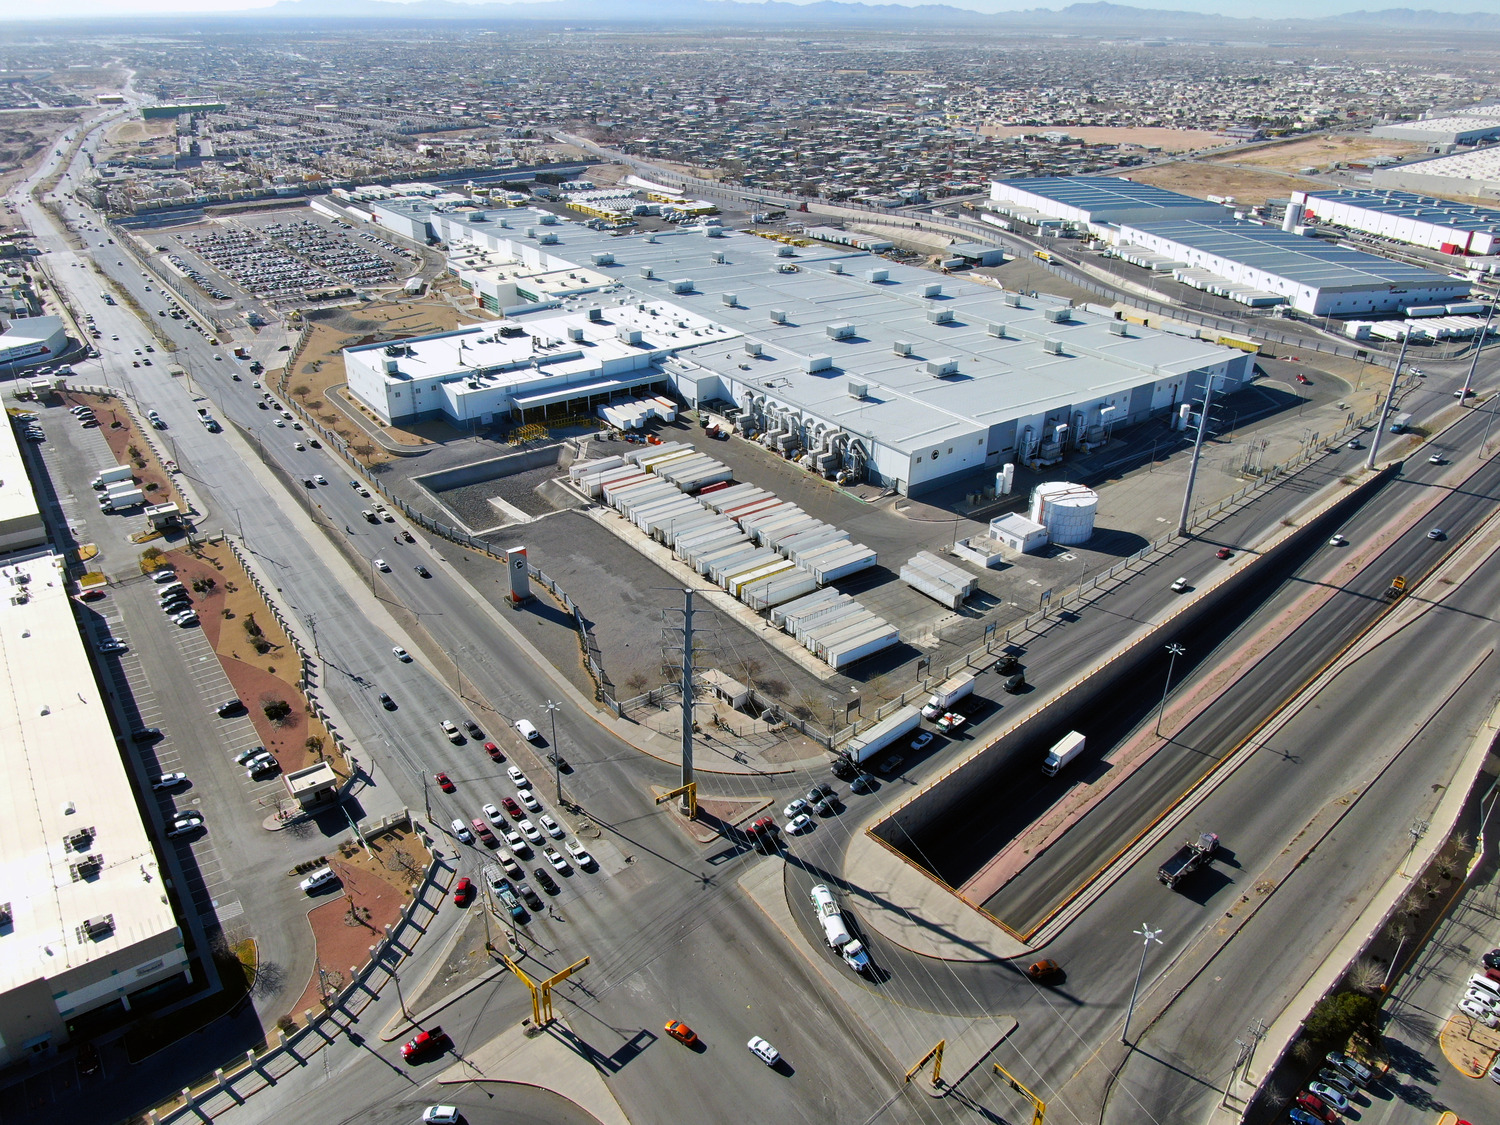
{"points": [[1464, 127], [1475, 173], [32, 340], [913, 378], [1419, 220], [1095, 201]]}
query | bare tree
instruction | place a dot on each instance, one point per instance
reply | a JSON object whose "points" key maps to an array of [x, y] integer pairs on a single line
{"points": [[1365, 975]]}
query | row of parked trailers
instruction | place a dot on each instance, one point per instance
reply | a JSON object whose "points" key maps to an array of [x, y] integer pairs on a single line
{"points": [[1433, 327], [834, 627], [939, 579], [759, 548], [634, 415]]}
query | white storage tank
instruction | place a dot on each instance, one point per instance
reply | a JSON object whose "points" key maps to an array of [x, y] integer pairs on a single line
{"points": [[1066, 510]]}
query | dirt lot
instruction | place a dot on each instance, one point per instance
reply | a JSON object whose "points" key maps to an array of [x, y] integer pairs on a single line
{"points": [[134, 131], [24, 137], [320, 367], [1321, 152], [1208, 178], [1168, 140]]}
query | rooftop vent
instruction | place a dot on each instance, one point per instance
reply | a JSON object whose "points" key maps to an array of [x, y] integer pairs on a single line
{"points": [[940, 316], [647, 272], [714, 232], [531, 232], [948, 365], [901, 347], [876, 276], [651, 238], [79, 840], [681, 285], [7, 916], [548, 219], [778, 316], [842, 331], [996, 330], [1059, 316], [86, 868], [1119, 328], [814, 363], [858, 389], [548, 239], [1052, 347], [1013, 300], [933, 290]]}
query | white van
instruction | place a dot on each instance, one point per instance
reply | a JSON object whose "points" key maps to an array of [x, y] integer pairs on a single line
{"points": [[461, 830], [527, 731], [319, 878]]}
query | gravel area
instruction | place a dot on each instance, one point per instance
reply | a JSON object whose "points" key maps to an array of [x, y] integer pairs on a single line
{"points": [[471, 504]]}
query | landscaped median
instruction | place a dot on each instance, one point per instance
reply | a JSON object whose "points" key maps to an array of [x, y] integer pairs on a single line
{"points": [[257, 655]]}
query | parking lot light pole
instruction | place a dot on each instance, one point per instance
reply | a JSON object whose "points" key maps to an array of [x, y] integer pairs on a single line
{"points": [[1147, 935], [1174, 651], [553, 707]]}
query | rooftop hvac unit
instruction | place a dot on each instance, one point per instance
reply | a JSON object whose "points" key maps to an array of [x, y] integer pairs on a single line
{"points": [[6, 914], [717, 259], [996, 330], [99, 925], [841, 331], [1052, 347], [576, 335], [835, 267], [77, 841], [629, 335], [603, 258], [596, 315], [730, 299], [548, 239], [548, 219], [858, 389], [752, 347], [778, 316], [785, 252], [713, 232], [933, 290], [815, 363], [876, 276], [647, 272], [901, 347], [651, 238], [1013, 300], [681, 285], [940, 316], [948, 365], [531, 232], [1059, 316], [1118, 328], [392, 367]]}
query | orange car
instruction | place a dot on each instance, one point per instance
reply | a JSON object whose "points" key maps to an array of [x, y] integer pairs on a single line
{"points": [[682, 1033]]}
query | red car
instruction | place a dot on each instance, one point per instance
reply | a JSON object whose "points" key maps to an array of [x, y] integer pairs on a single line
{"points": [[1314, 1105], [511, 808], [444, 783], [463, 891], [1223, 553], [423, 1043], [494, 752], [1301, 378]]}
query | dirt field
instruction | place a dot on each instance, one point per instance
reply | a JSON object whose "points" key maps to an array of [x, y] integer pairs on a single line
{"points": [[1168, 140], [132, 132], [1207, 178], [1322, 152], [320, 367], [24, 137]]}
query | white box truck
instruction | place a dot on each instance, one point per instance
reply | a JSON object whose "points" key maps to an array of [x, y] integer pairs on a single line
{"points": [[111, 476], [1068, 747], [123, 500], [947, 694]]}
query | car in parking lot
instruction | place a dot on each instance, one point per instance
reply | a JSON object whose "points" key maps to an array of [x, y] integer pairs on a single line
{"points": [[145, 734], [512, 808], [1299, 1116], [184, 619], [492, 814], [544, 877], [322, 877], [494, 752], [1339, 1081], [1328, 1095], [550, 826], [461, 832], [863, 783], [556, 859], [1356, 1070], [229, 707], [818, 792], [1315, 1106], [529, 896], [527, 731], [580, 854], [111, 644], [517, 778], [922, 740], [451, 732], [528, 798], [515, 842], [473, 729], [795, 809], [799, 824], [508, 862], [463, 891], [169, 780], [185, 823], [529, 830]]}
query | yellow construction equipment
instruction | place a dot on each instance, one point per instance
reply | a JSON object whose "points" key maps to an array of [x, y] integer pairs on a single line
{"points": [[936, 1056], [691, 789], [541, 994], [1038, 1107]]}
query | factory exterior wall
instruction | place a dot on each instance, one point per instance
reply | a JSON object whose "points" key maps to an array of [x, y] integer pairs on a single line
{"points": [[1409, 178], [400, 222], [367, 383], [962, 455]]}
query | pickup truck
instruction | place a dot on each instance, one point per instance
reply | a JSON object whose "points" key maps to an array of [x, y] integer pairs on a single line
{"points": [[507, 895], [423, 1043], [1187, 859]]}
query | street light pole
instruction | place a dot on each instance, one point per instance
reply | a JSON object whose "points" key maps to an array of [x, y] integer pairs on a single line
{"points": [[1174, 651], [552, 708], [1147, 935], [1484, 334], [1385, 409]]}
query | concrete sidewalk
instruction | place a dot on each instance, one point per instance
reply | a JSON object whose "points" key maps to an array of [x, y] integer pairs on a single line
{"points": [[520, 1054]]}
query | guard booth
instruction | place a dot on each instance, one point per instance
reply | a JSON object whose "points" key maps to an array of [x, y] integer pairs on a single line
{"points": [[313, 786], [162, 516]]}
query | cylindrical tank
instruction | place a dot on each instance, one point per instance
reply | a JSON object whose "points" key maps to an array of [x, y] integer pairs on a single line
{"points": [[1066, 510], [1293, 217], [1005, 480]]}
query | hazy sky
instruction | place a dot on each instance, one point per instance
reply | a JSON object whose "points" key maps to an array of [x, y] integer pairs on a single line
{"points": [[1265, 8]]}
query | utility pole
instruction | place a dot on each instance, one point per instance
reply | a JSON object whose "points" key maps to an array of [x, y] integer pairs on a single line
{"points": [[1147, 935], [553, 707], [1187, 496], [1484, 334], [1385, 409], [687, 696]]}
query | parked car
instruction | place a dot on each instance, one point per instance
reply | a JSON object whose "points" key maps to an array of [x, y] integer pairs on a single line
{"points": [[795, 809], [512, 807], [550, 826], [463, 891], [517, 778], [1328, 1095], [185, 823], [461, 832], [528, 798], [529, 830], [544, 877], [494, 752], [555, 858], [580, 854], [1356, 1070], [922, 740], [169, 780], [527, 731]]}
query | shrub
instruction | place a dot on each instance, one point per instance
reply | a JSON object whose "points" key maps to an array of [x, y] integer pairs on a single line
{"points": [[276, 710], [1339, 1016]]}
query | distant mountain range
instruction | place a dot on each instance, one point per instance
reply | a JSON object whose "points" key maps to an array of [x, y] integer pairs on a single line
{"points": [[1139, 21]]}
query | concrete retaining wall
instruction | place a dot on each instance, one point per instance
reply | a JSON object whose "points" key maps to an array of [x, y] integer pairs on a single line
{"points": [[493, 469]]}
